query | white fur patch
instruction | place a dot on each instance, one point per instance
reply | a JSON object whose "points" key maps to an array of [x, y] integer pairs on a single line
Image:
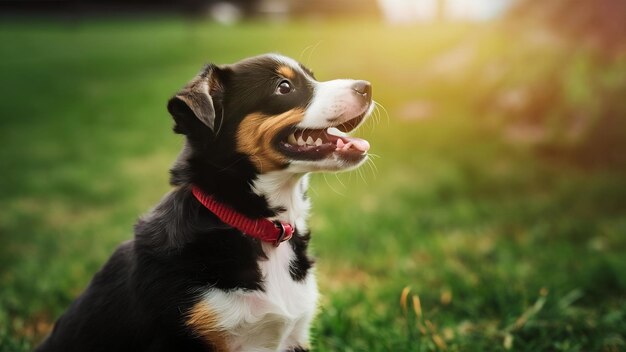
{"points": [[272, 320], [278, 318], [285, 189], [332, 101]]}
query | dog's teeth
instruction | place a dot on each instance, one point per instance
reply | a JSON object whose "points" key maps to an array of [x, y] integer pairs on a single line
{"points": [[340, 143], [309, 141], [292, 139], [318, 142], [301, 141]]}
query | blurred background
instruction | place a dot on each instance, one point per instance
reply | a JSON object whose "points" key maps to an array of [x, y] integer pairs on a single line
{"points": [[492, 215]]}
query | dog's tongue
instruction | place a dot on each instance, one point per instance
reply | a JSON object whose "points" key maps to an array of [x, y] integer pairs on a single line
{"points": [[353, 142]]}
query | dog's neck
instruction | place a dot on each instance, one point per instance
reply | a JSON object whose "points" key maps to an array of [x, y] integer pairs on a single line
{"points": [[277, 195], [285, 192]]}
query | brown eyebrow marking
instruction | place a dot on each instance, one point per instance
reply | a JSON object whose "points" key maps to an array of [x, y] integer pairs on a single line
{"points": [[286, 72]]}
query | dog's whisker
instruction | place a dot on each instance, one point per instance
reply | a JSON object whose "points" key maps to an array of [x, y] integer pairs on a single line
{"points": [[376, 114], [373, 167], [331, 187], [227, 167], [360, 173], [217, 133], [338, 179], [312, 188], [383, 109], [300, 57], [308, 60]]}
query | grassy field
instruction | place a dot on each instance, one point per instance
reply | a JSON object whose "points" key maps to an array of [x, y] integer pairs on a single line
{"points": [[452, 240]]}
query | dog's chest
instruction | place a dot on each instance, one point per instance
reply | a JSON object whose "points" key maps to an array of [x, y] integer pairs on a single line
{"points": [[271, 320]]}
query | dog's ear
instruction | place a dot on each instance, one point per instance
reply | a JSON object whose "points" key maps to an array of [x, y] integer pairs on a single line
{"points": [[193, 106]]}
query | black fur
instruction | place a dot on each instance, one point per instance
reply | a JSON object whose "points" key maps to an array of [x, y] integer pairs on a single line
{"points": [[299, 349], [138, 300], [301, 264]]}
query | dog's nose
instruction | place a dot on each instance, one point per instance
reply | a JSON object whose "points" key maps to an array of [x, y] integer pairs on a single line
{"points": [[363, 88]]}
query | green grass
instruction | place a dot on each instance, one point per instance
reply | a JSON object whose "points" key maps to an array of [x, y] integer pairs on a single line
{"points": [[502, 249]]}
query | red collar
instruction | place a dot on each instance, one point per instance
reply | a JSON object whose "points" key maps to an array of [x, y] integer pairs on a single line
{"points": [[275, 232]]}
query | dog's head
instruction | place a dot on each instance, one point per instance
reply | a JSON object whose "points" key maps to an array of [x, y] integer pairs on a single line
{"points": [[271, 111]]}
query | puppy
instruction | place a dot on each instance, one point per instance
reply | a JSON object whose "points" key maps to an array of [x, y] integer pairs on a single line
{"points": [[221, 264]]}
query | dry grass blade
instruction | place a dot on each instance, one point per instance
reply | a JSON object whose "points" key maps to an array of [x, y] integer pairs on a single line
{"points": [[417, 306], [529, 313], [403, 298], [439, 342], [446, 297], [508, 341]]}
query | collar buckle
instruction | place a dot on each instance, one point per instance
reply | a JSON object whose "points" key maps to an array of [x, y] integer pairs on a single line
{"points": [[286, 232]]}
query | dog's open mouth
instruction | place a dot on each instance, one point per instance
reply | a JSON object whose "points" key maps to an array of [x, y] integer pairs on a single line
{"points": [[316, 144]]}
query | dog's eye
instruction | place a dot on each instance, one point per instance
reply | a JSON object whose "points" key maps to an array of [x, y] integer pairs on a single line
{"points": [[284, 88]]}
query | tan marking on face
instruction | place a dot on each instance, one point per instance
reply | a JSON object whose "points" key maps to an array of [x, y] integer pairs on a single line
{"points": [[256, 133], [204, 322], [286, 72]]}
